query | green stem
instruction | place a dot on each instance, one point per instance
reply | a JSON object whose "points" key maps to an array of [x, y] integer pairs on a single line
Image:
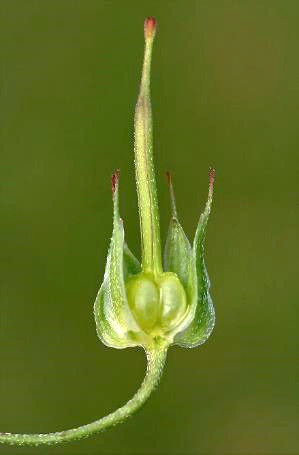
{"points": [[145, 173], [155, 362]]}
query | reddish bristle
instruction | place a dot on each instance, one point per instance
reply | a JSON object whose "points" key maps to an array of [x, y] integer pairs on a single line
{"points": [[169, 177], [212, 174], [115, 180], [150, 25]]}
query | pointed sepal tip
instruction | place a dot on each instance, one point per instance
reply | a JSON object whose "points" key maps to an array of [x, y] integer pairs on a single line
{"points": [[115, 181], [212, 174]]}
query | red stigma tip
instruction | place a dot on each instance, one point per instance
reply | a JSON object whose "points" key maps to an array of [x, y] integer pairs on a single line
{"points": [[115, 180], [150, 25]]}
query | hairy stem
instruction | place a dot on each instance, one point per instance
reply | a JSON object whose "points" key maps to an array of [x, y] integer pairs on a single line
{"points": [[155, 362]]}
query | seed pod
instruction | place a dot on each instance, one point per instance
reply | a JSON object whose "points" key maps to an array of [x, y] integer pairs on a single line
{"points": [[138, 304]]}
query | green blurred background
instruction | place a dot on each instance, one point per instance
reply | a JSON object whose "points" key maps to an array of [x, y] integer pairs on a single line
{"points": [[225, 93]]}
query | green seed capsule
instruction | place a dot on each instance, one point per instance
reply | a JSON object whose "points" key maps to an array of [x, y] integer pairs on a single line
{"points": [[143, 299], [172, 300], [166, 299], [158, 304]]}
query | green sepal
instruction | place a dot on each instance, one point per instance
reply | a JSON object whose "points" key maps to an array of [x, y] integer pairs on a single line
{"points": [[131, 264], [179, 259], [116, 326], [178, 252], [204, 320]]}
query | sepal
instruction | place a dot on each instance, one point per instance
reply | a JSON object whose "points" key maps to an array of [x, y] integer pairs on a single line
{"points": [[131, 264], [179, 259], [115, 324], [204, 320]]}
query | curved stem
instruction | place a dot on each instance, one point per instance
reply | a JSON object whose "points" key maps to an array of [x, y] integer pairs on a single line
{"points": [[155, 362]]}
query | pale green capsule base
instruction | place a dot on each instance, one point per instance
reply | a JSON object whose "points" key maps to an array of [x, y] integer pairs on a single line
{"points": [[158, 302]]}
